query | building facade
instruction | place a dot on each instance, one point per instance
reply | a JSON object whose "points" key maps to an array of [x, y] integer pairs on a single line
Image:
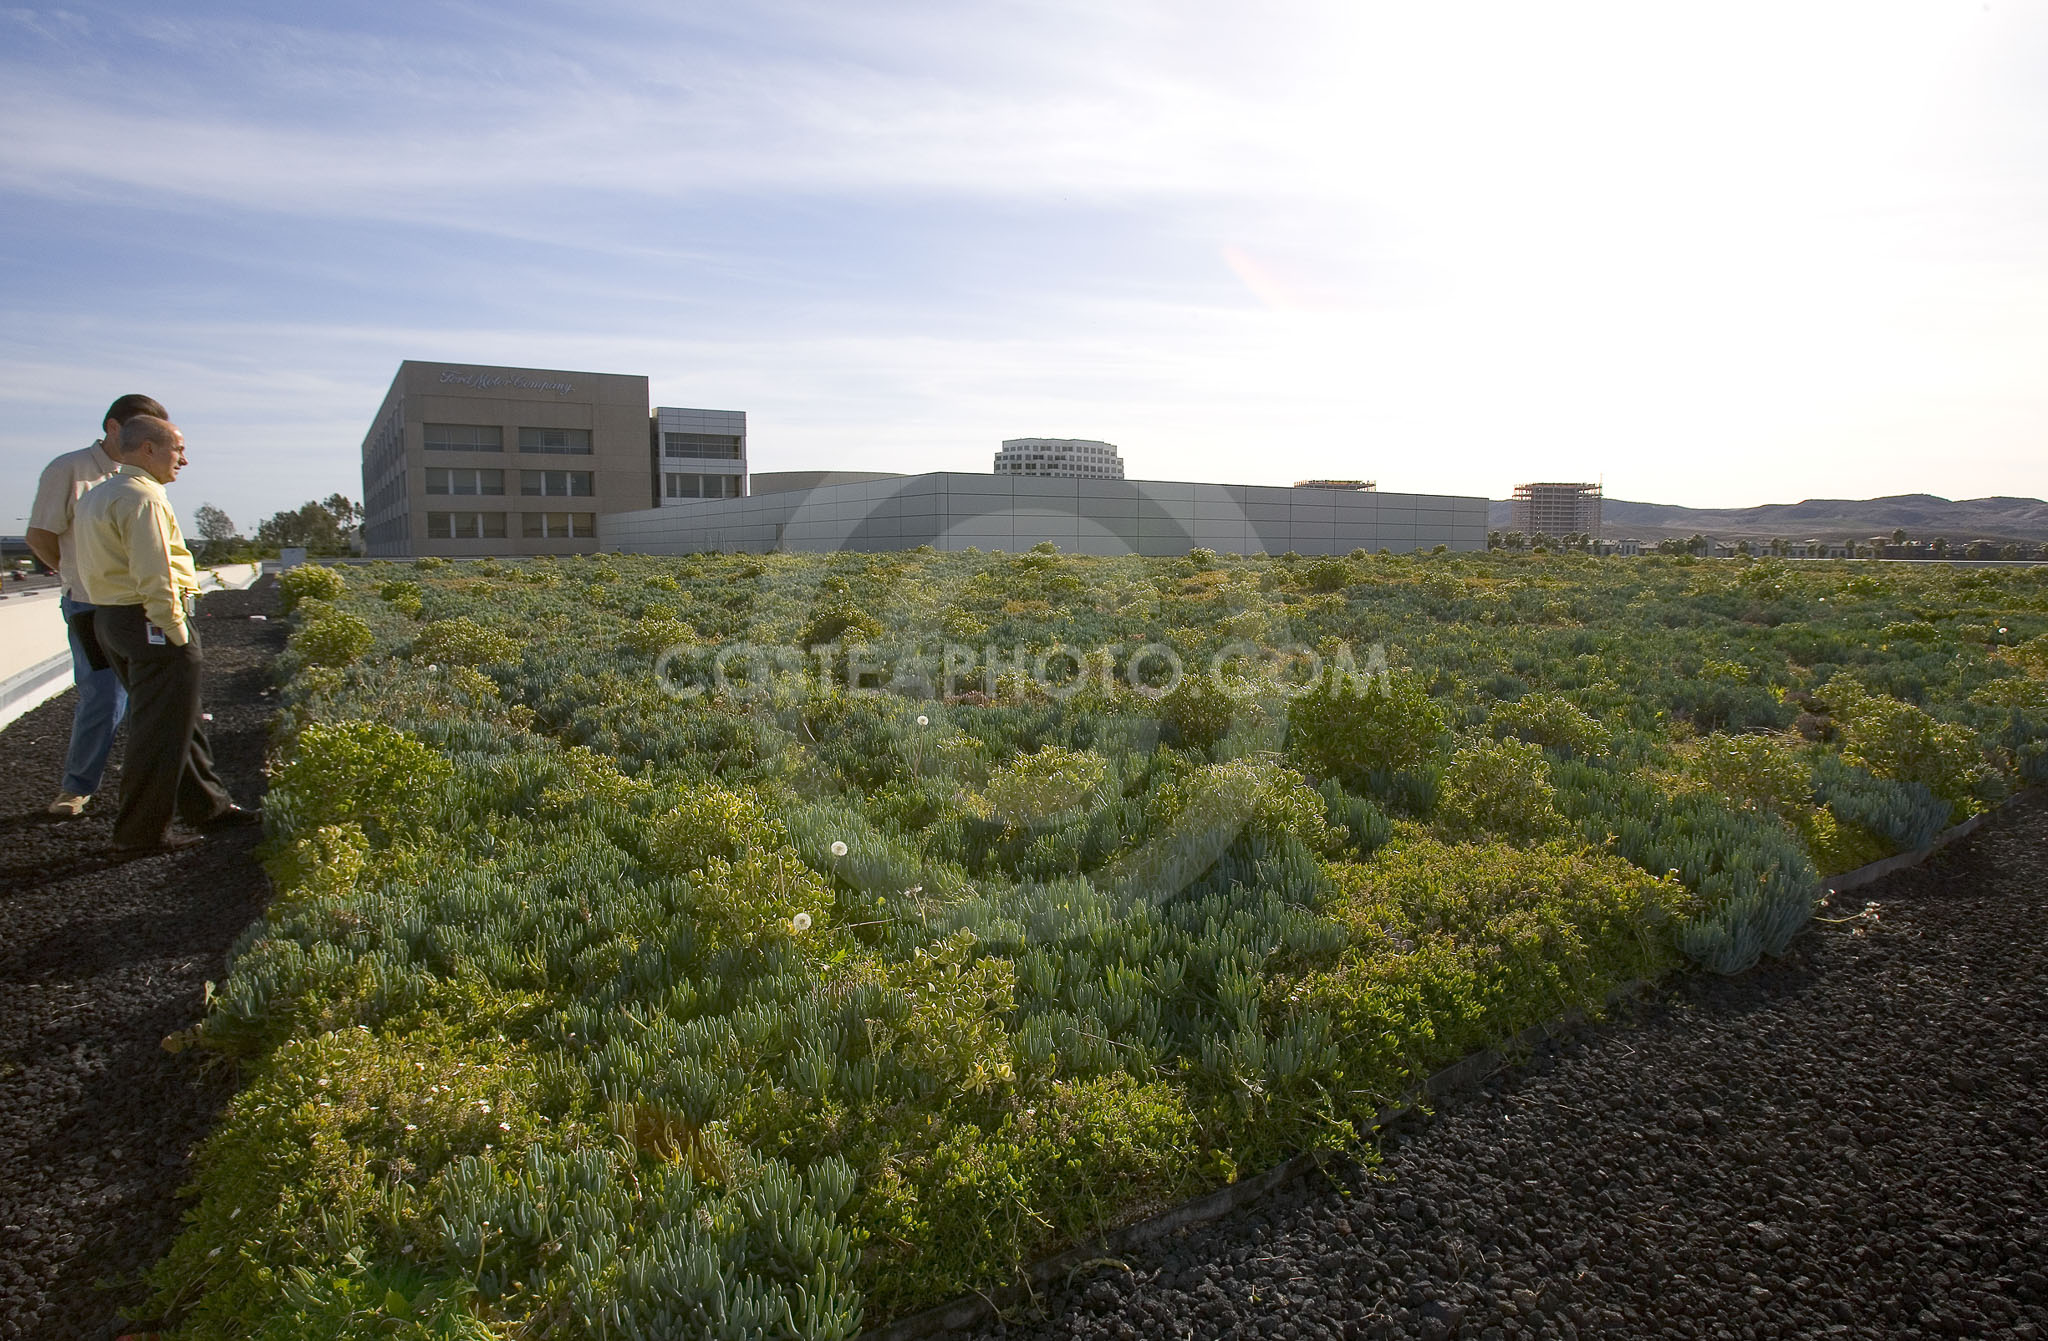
{"points": [[950, 511], [466, 461], [1079, 458], [1557, 509], [699, 454]]}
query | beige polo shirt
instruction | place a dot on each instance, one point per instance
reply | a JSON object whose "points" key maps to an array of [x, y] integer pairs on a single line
{"points": [[130, 552], [63, 483]]}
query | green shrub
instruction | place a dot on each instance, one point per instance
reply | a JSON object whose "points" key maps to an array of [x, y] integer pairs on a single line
{"points": [[1550, 720], [840, 621], [332, 638], [1760, 771], [710, 821], [1498, 786], [1199, 711], [353, 772], [1351, 731], [1049, 786], [462, 642], [1897, 740], [654, 634], [310, 581]]}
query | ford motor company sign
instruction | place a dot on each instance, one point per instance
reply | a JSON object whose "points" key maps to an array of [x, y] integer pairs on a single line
{"points": [[488, 381]]}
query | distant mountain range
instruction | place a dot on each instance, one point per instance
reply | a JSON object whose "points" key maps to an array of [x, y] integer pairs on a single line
{"points": [[1922, 517]]}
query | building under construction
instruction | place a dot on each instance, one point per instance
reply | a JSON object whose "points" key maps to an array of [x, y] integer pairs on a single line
{"points": [[1557, 509]]}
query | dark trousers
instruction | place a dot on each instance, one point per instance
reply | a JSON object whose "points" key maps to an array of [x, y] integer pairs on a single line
{"points": [[168, 767]]}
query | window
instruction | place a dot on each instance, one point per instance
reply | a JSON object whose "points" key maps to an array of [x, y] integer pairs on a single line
{"points": [[561, 525], [701, 486], [463, 480], [560, 441], [465, 526], [708, 446], [465, 438], [555, 483]]}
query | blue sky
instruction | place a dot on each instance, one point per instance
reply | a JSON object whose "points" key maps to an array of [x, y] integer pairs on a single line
{"points": [[1712, 254]]}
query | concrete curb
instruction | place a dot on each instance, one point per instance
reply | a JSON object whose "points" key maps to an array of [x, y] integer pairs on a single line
{"points": [[1899, 861], [28, 686], [26, 690]]}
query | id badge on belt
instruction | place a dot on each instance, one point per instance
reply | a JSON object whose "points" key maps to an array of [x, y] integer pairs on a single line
{"points": [[155, 634]]}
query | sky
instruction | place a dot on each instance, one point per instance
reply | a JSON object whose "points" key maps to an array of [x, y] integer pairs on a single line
{"points": [[1711, 254]]}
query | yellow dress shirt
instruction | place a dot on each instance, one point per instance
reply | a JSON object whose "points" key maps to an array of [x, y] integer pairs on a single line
{"points": [[129, 551]]}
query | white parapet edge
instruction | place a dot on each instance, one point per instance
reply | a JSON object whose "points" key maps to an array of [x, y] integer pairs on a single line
{"points": [[31, 674]]}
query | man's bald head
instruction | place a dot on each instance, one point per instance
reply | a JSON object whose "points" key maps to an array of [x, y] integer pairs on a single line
{"points": [[154, 445], [146, 430]]}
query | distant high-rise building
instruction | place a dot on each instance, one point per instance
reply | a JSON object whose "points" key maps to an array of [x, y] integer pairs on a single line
{"points": [[1083, 458], [1557, 509]]}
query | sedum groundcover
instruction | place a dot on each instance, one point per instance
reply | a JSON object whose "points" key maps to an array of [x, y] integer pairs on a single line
{"points": [[769, 946]]}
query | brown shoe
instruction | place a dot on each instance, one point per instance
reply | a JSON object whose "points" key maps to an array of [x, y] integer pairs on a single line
{"points": [[68, 805]]}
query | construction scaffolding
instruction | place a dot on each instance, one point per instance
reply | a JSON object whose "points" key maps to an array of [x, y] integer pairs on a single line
{"points": [[1557, 510]]}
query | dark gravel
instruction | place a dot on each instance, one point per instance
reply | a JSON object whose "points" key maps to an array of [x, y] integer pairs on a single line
{"points": [[100, 961], [1846, 1143]]}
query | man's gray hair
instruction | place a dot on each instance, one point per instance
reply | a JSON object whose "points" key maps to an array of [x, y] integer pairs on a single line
{"points": [[146, 430]]}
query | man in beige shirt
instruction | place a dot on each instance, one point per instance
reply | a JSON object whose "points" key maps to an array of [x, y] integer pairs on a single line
{"points": [[101, 700], [132, 561]]}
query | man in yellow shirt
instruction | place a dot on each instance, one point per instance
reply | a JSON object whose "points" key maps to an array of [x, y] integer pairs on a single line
{"points": [[101, 700], [132, 560]]}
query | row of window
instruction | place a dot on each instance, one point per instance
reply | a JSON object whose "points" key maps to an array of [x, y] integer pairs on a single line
{"points": [[706, 446], [532, 483], [491, 438], [492, 525], [700, 486]]}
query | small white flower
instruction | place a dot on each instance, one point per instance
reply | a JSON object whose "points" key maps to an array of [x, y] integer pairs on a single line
{"points": [[923, 720], [504, 1126], [432, 667], [838, 848], [412, 1126], [801, 922], [2001, 628], [324, 1082]]}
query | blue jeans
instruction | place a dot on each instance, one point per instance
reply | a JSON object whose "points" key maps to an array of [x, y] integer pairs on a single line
{"points": [[101, 703]]}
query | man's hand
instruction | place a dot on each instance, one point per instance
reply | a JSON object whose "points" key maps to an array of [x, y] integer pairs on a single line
{"points": [[43, 544]]}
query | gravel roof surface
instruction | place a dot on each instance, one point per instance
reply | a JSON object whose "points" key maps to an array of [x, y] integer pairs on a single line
{"points": [[1847, 1142], [99, 962]]}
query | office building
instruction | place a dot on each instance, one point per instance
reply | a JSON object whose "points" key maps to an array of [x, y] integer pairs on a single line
{"points": [[1079, 458], [1557, 509], [1337, 484], [466, 461], [700, 453], [956, 511]]}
